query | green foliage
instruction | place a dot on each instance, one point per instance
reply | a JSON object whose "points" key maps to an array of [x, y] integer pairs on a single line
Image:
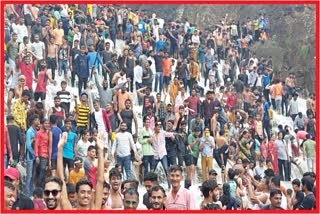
{"points": [[304, 50]]}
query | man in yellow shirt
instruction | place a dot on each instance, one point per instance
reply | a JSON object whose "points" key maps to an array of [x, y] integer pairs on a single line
{"points": [[19, 110], [77, 173], [194, 73]]}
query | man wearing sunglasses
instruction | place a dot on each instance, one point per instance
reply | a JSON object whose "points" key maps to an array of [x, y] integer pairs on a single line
{"points": [[84, 187]]}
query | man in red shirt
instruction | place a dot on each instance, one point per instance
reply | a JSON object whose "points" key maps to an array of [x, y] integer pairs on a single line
{"points": [[194, 104], [27, 68], [232, 99], [41, 150]]}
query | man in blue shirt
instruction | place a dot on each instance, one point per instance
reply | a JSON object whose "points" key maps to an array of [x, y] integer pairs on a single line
{"points": [[30, 157], [56, 132], [70, 148]]}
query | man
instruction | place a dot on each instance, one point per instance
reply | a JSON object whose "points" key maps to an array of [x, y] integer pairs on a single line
{"points": [[106, 194], [99, 120], [145, 141], [74, 53], [159, 75], [70, 148], [275, 200], [30, 157], [193, 149], [166, 66], [171, 146], [81, 67], [121, 149], [39, 50], [194, 104], [19, 110], [112, 67], [65, 97], [9, 197], [127, 115], [58, 111], [15, 138], [84, 186], [206, 147], [178, 198], [12, 52], [82, 111], [41, 150], [121, 97], [148, 99], [22, 202], [158, 198], [297, 194], [209, 189], [208, 108], [299, 121], [131, 199], [150, 180], [58, 34], [213, 175], [115, 199], [294, 107], [55, 194], [309, 151], [309, 201]]}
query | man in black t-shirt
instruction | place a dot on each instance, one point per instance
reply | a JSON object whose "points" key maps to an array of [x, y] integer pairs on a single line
{"points": [[298, 194], [308, 203], [275, 200]]}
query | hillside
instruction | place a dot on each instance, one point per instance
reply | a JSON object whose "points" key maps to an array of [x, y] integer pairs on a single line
{"points": [[292, 37]]}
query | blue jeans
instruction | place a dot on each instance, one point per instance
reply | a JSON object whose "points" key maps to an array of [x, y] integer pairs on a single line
{"points": [[5, 161], [159, 80], [63, 66], [125, 163], [164, 162], [30, 170], [146, 161]]}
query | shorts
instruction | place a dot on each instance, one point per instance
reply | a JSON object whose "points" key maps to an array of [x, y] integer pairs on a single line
{"points": [[166, 80], [53, 163], [195, 160], [188, 159], [41, 95], [69, 162], [28, 20]]}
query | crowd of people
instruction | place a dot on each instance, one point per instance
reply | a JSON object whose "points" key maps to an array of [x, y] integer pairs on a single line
{"points": [[202, 95]]}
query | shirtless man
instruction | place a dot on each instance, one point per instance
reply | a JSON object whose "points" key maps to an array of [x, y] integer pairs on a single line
{"points": [[247, 99], [115, 199], [220, 152], [85, 198], [52, 56]]}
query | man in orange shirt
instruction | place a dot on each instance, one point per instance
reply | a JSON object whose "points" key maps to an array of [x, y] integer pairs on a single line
{"points": [[194, 72], [174, 89], [121, 97], [278, 92], [166, 66]]}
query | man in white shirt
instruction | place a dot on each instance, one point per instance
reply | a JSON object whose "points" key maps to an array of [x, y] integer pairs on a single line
{"points": [[21, 30], [39, 49], [122, 145], [138, 73]]}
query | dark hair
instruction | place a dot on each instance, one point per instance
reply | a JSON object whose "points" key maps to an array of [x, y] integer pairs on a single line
{"points": [[133, 184], [226, 194], [106, 185], [131, 191], [9, 118], [308, 182], [56, 98], [207, 186], [38, 191], [187, 183], [151, 176], [231, 174], [54, 179], [296, 182], [9, 185], [39, 105], [157, 188], [25, 93], [71, 188], [274, 192], [114, 172], [82, 182], [174, 168], [91, 147], [53, 119]]}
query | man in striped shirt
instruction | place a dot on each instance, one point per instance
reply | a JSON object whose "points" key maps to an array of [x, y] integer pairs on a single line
{"points": [[82, 113]]}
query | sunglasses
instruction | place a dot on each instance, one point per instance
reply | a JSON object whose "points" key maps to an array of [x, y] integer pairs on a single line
{"points": [[54, 192]]}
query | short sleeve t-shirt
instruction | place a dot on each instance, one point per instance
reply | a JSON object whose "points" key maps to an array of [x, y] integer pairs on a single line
{"points": [[27, 71], [68, 149], [308, 202], [166, 64], [195, 148]]}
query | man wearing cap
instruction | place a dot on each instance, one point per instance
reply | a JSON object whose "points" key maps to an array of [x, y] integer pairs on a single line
{"points": [[213, 175], [22, 202]]}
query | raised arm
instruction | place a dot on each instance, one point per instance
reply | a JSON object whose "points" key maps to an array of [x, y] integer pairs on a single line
{"points": [[100, 175], [65, 203]]}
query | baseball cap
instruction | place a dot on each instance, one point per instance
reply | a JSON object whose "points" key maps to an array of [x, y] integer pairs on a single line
{"points": [[213, 172], [12, 173]]}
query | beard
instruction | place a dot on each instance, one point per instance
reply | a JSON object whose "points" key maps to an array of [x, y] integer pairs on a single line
{"points": [[156, 206], [52, 204], [105, 87]]}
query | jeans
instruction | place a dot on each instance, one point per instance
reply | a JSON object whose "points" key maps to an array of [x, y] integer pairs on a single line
{"points": [[283, 166], [30, 170], [125, 163], [82, 82], [51, 62], [278, 104], [146, 161], [159, 80], [41, 169], [164, 162], [206, 163], [5, 161], [63, 65], [190, 117]]}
